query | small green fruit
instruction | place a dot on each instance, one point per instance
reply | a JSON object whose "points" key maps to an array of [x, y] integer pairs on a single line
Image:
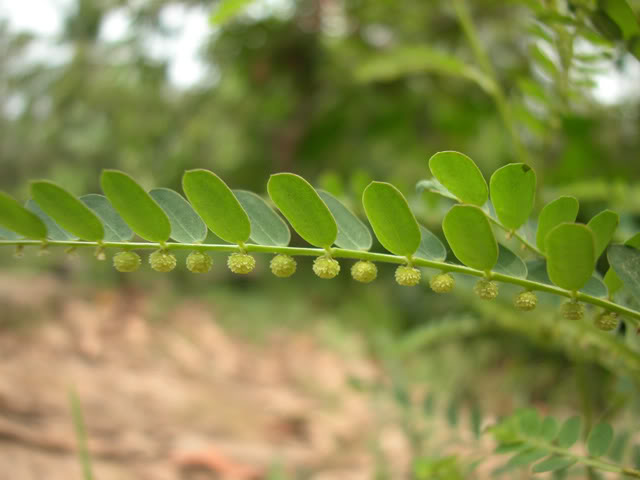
{"points": [[241, 263], [283, 266], [199, 262], [407, 276], [526, 301], [326, 267], [162, 261], [607, 321], [486, 289], [572, 310], [126, 261], [442, 283], [364, 271]]}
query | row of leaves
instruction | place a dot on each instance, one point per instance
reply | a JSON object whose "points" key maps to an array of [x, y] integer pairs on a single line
{"points": [[569, 249], [545, 444]]}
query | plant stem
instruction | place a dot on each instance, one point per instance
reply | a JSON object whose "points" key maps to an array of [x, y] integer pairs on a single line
{"points": [[632, 315], [520, 238], [499, 96]]}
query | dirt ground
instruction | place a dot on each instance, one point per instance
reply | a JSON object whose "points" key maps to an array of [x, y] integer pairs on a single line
{"points": [[176, 399]]}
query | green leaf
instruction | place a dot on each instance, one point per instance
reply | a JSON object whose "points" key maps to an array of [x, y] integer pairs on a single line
{"points": [[461, 176], [470, 236], [18, 219], [526, 457], [529, 422], [54, 231], [135, 206], [603, 226], [115, 228], [68, 212], [352, 232], [600, 439], [431, 248], [434, 186], [509, 263], [186, 225], [391, 219], [569, 432], [303, 207], [267, 227], [409, 60], [513, 190], [549, 429], [509, 447], [217, 205], [553, 463], [561, 210], [623, 15], [634, 241], [538, 273], [570, 255], [625, 261], [226, 10], [617, 449]]}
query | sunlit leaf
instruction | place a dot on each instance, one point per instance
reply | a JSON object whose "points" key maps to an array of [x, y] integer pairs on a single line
{"points": [[461, 176], [54, 231], [216, 204], [561, 210], [570, 255], [226, 9], [303, 208], [135, 206], [470, 236], [18, 219], [603, 226], [537, 272], [513, 190], [391, 219]]}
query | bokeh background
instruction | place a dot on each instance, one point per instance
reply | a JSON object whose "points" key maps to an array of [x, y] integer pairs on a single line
{"points": [[185, 377]]}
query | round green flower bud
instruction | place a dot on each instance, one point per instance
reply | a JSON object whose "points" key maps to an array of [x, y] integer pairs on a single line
{"points": [[126, 261], [572, 310], [199, 262], [407, 276], [607, 321], [364, 271], [162, 261], [241, 263], [442, 283], [486, 289], [526, 301], [283, 266], [326, 267]]}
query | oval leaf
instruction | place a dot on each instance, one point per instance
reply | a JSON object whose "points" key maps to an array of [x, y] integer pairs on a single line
{"points": [[115, 228], [54, 231], [509, 263], [18, 219], [613, 281], [561, 210], [135, 206], [352, 232], [217, 205], [393, 222], [549, 429], [634, 241], [569, 432], [513, 191], [570, 255], [470, 236], [625, 261], [267, 227], [603, 226], [461, 176], [600, 439], [186, 225], [553, 463], [302, 206], [431, 248], [538, 273], [68, 212]]}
